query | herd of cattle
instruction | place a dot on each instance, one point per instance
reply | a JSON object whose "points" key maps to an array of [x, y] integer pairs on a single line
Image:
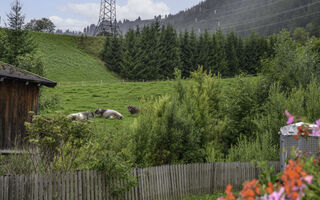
{"points": [[102, 113]]}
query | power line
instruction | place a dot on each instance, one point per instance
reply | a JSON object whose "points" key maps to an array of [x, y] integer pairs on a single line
{"points": [[269, 16], [245, 9], [271, 24]]}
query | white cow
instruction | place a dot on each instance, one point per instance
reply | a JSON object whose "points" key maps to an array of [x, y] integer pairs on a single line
{"points": [[108, 113]]}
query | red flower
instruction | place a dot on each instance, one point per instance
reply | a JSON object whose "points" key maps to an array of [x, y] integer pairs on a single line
{"points": [[302, 131]]}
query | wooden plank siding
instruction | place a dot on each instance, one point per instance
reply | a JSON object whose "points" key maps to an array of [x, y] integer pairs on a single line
{"points": [[16, 100], [154, 183]]}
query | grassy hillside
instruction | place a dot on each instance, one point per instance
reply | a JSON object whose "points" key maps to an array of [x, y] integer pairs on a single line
{"points": [[65, 61], [114, 95]]}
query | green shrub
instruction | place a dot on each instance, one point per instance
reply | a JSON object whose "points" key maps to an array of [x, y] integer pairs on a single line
{"points": [[58, 139], [49, 102], [31, 63], [177, 128], [293, 65]]}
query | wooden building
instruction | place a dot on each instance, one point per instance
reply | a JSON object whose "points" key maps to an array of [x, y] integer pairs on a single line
{"points": [[19, 94]]}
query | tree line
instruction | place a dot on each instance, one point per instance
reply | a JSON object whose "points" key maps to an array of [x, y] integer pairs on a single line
{"points": [[153, 52]]}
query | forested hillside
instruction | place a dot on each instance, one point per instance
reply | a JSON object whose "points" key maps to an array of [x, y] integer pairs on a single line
{"points": [[154, 52], [242, 16]]}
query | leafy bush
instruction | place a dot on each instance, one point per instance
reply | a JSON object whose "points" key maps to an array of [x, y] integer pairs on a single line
{"points": [[59, 139], [49, 102], [31, 63], [108, 151], [177, 128], [292, 65]]}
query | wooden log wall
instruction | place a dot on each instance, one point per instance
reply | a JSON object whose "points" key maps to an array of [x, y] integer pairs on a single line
{"points": [[154, 183], [16, 100]]}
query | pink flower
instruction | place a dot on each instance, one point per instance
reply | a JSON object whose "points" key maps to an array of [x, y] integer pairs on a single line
{"points": [[308, 179], [316, 130], [290, 117], [275, 195]]}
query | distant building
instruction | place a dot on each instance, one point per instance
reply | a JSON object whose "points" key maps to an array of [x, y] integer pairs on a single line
{"points": [[19, 94]]}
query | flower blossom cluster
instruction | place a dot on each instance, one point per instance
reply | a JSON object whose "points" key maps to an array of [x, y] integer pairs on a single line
{"points": [[293, 184], [293, 181]]}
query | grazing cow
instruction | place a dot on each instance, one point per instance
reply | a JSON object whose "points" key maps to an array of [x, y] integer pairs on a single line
{"points": [[133, 110], [82, 115], [108, 113]]}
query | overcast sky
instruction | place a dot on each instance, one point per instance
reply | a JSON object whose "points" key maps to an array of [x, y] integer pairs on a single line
{"points": [[76, 14]]}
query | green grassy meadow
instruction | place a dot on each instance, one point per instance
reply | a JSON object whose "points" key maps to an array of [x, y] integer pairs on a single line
{"points": [[113, 95], [66, 61]]}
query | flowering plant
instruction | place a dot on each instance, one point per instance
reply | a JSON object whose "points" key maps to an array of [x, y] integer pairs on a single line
{"points": [[300, 179]]}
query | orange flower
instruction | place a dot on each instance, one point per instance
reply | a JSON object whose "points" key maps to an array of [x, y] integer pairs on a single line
{"points": [[269, 189], [229, 195], [250, 190], [292, 177]]}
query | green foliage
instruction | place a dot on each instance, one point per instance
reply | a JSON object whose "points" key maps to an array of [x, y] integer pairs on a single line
{"points": [[49, 102], [40, 25], [177, 128], [59, 139], [153, 53], [112, 54], [32, 63], [300, 35], [20, 43], [25, 162], [240, 102], [107, 152], [292, 65], [267, 173]]}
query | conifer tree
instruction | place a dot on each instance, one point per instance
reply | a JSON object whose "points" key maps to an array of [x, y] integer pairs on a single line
{"points": [[112, 54], [194, 52], [130, 57], [186, 54], [203, 50], [231, 54], [169, 52], [20, 42], [220, 63], [150, 46]]}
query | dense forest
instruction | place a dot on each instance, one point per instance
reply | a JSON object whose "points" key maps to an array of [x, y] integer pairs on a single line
{"points": [[154, 52], [241, 16]]}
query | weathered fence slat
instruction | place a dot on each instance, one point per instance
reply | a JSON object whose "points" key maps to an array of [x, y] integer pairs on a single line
{"points": [[161, 182]]}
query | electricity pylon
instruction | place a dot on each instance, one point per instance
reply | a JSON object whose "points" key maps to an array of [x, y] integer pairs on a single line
{"points": [[107, 24]]}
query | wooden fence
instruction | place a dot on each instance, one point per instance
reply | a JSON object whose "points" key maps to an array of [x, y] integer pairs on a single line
{"points": [[163, 182]]}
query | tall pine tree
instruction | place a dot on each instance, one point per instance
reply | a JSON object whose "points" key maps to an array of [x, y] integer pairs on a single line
{"points": [[169, 52], [20, 42]]}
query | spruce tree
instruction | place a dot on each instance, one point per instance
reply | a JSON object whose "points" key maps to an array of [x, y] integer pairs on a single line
{"points": [[194, 52], [220, 64], [203, 50], [112, 54], [186, 54], [169, 56], [231, 55], [20, 42]]}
